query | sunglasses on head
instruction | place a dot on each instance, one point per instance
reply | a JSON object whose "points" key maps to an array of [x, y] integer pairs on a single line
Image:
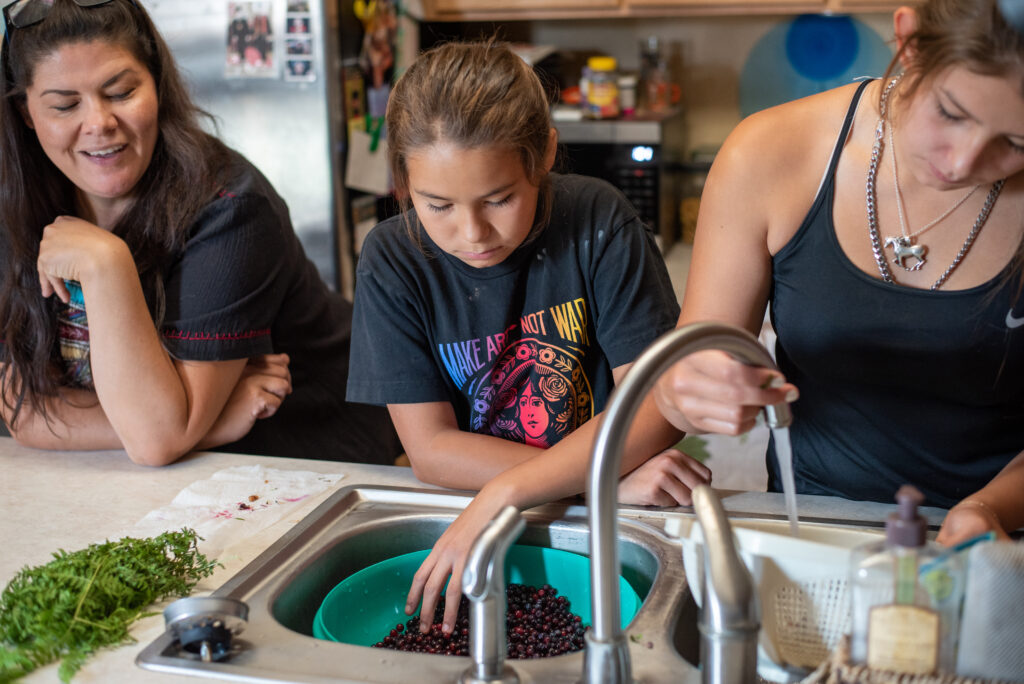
{"points": [[22, 13]]}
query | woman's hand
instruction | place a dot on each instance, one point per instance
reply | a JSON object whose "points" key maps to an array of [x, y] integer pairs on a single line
{"points": [[74, 249], [666, 479], [709, 391], [265, 382], [967, 520], [448, 559]]}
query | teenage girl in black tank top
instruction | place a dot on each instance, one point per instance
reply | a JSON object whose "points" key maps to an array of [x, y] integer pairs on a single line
{"points": [[898, 374]]}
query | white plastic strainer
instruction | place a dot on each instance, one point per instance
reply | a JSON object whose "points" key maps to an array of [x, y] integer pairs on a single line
{"points": [[801, 583]]}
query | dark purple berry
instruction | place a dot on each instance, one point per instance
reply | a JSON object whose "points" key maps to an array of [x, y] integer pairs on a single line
{"points": [[539, 624]]}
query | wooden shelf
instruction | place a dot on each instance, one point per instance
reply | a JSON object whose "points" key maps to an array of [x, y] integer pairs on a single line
{"points": [[528, 10]]}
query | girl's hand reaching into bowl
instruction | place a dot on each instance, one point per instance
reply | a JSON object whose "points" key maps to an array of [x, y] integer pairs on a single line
{"points": [[447, 560]]}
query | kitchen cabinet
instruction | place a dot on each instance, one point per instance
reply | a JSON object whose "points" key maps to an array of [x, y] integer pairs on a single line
{"points": [[850, 6], [484, 10], [729, 6], [770, 6], [518, 5], [473, 10]]}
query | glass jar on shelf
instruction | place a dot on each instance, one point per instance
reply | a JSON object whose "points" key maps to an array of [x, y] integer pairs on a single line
{"points": [[627, 94], [602, 97]]}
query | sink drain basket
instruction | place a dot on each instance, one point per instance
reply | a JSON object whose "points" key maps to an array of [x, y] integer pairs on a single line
{"points": [[802, 584], [365, 606]]}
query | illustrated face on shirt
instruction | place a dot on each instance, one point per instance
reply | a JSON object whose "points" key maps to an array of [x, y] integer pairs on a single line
{"points": [[534, 393], [533, 414], [476, 204]]}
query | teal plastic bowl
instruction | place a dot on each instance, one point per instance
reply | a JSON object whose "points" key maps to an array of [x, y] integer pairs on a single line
{"points": [[366, 605]]}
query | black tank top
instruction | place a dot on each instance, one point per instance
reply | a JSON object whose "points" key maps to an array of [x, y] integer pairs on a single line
{"points": [[897, 385]]}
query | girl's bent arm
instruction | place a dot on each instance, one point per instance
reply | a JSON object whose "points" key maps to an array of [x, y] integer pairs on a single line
{"points": [[443, 454]]}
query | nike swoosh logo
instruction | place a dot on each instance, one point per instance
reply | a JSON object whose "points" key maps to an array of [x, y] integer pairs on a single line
{"points": [[1012, 322]]}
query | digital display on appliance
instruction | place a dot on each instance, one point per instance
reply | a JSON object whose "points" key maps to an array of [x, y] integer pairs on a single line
{"points": [[642, 153]]}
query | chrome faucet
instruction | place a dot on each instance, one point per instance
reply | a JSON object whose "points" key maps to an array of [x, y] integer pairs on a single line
{"points": [[607, 652], [730, 613], [483, 583]]}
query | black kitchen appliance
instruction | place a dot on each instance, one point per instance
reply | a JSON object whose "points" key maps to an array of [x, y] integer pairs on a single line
{"points": [[639, 156]]}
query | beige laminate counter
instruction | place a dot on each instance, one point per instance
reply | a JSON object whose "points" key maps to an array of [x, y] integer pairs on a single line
{"points": [[54, 500], [67, 500]]}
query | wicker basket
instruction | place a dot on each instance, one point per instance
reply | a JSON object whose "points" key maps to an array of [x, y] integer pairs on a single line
{"points": [[802, 585], [838, 670]]}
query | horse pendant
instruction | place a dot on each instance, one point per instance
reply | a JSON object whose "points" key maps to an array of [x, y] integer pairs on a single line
{"points": [[904, 250]]}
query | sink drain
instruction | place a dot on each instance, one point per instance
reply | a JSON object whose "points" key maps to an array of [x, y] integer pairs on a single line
{"points": [[205, 625]]}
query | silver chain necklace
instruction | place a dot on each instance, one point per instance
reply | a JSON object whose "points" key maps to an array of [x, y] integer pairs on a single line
{"points": [[902, 246], [907, 239]]}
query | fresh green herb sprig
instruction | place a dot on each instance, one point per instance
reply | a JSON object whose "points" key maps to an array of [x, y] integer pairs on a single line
{"points": [[85, 600]]}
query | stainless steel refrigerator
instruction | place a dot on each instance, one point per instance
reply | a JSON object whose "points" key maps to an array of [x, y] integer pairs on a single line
{"points": [[268, 71]]}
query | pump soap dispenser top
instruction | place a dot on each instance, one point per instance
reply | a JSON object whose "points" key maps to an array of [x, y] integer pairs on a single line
{"points": [[906, 596]]}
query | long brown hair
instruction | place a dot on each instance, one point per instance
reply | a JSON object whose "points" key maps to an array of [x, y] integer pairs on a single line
{"points": [[179, 181], [471, 94], [972, 34], [968, 33]]}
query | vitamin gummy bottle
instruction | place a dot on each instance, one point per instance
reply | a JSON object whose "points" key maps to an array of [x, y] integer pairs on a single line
{"points": [[602, 95]]}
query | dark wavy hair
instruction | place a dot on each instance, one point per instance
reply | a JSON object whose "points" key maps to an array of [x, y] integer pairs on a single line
{"points": [[180, 180], [471, 94]]}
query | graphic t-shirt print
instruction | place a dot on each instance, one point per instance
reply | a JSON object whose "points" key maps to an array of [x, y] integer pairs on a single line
{"points": [[528, 383], [536, 393]]}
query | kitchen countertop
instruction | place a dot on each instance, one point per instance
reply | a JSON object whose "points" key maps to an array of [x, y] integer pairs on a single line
{"points": [[67, 500]]}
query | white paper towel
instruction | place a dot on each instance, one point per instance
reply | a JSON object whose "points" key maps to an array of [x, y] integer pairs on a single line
{"points": [[235, 503]]}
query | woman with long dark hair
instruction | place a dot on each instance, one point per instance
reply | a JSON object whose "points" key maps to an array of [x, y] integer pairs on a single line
{"points": [[153, 293]]}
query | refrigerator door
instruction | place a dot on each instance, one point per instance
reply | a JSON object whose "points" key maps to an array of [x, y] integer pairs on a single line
{"points": [[266, 81]]}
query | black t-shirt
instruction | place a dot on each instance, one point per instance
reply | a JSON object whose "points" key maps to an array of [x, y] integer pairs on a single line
{"points": [[242, 286], [525, 349]]}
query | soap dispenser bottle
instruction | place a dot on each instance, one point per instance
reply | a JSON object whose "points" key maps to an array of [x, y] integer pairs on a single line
{"points": [[906, 595]]}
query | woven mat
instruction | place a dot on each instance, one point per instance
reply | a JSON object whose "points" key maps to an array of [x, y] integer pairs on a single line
{"points": [[838, 670]]}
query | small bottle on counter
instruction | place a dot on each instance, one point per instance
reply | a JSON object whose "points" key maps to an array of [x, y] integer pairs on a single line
{"points": [[602, 96], [654, 78], [906, 596], [627, 94], [584, 88]]}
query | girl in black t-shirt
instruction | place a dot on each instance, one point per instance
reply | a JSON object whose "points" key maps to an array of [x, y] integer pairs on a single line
{"points": [[495, 315]]}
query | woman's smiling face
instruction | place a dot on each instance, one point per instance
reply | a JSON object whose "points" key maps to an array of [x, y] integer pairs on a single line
{"points": [[94, 109]]}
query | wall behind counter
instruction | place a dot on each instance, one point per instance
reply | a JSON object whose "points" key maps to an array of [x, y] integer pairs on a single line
{"points": [[707, 54]]}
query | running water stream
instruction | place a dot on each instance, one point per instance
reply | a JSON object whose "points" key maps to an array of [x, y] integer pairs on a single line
{"points": [[784, 453]]}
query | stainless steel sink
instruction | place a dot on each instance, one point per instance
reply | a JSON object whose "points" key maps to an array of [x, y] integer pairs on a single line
{"points": [[359, 526]]}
